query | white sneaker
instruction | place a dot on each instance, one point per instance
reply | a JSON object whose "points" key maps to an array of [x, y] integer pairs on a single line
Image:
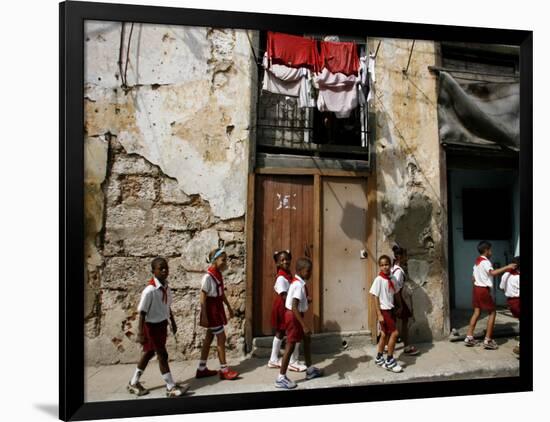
{"points": [[297, 366], [274, 364], [392, 365], [285, 383]]}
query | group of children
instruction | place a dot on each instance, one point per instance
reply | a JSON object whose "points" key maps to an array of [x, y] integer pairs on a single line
{"points": [[482, 299], [291, 302]]}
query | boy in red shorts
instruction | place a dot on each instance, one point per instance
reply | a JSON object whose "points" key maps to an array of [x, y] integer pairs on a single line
{"points": [[296, 329], [483, 274], [154, 313], [383, 289]]}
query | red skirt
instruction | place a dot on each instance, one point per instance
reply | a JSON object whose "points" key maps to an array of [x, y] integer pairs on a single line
{"points": [[482, 299], [155, 336], [293, 328], [388, 326], [278, 314], [215, 313], [513, 305]]}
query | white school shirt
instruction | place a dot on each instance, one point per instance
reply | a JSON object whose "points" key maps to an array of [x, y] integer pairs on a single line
{"points": [[297, 290], [481, 273], [152, 303], [510, 284], [281, 285], [210, 286], [399, 277], [381, 289]]}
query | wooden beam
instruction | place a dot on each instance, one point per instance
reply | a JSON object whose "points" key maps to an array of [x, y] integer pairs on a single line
{"points": [[249, 263], [372, 264], [317, 244], [311, 171]]}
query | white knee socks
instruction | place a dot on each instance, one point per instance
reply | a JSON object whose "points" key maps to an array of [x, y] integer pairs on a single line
{"points": [[275, 349]]}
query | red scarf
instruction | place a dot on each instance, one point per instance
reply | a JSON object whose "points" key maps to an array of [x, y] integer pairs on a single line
{"points": [[217, 275], [513, 272], [162, 288], [479, 259], [285, 274], [388, 278]]}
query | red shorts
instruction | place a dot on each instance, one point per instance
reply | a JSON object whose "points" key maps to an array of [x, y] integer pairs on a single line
{"points": [[293, 328], [278, 314], [155, 336], [482, 299], [388, 326], [513, 305]]}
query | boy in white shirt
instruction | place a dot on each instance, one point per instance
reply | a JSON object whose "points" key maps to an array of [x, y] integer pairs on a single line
{"points": [[154, 314], [383, 289], [482, 278], [510, 284], [296, 329]]}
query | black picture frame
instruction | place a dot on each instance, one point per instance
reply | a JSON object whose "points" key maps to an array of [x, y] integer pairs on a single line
{"points": [[72, 16]]}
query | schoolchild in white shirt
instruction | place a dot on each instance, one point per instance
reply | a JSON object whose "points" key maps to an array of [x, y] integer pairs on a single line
{"points": [[510, 284], [296, 329], [403, 311], [482, 278], [383, 289], [154, 313]]}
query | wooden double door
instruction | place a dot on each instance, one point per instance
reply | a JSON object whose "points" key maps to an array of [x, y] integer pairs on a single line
{"points": [[325, 219]]}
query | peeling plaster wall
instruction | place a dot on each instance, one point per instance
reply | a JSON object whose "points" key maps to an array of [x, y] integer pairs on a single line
{"points": [[410, 206], [166, 166]]}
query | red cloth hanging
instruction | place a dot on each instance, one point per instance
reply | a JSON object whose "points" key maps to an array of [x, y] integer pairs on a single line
{"points": [[292, 50], [339, 57]]}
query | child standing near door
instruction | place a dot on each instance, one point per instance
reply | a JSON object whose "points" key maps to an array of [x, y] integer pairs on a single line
{"points": [[282, 283]]}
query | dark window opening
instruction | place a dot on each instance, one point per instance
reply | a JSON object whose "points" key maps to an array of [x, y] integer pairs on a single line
{"points": [[487, 214]]}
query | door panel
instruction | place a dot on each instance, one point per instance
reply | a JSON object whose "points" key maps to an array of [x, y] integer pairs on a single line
{"points": [[283, 220], [344, 273]]}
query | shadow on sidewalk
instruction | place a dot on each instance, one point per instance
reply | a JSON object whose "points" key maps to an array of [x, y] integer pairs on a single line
{"points": [[409, 360], [343, 364]]}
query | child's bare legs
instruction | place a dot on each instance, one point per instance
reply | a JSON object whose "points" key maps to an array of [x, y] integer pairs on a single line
{"points": [[144, 360], [307, 349], [473, 322], [381, 343], [286, 357], [404, 330], [491, 324], [391, 342], [221, 347], [162, 356], [206, 345]]}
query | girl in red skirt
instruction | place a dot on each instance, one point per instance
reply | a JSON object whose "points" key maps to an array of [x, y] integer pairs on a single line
{"points": [[403, 312], [510, 284], [213, 315]]}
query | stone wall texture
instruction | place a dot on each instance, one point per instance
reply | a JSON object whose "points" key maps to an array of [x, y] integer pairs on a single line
{"points": [[411, 207], [166, 163]]}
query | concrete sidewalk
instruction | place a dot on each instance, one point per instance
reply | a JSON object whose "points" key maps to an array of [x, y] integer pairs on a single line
{"points": [[438, 361]]}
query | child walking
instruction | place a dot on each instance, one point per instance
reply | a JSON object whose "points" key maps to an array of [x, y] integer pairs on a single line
{"points": [[483, 274], [296, 304], [403, 312], [154, 312], [383, 289], [510, 284], [282, 283], [213, 315]]}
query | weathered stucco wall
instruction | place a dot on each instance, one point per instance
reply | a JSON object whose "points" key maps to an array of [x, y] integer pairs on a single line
{"points": [[166, 165], [410, 206]]}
